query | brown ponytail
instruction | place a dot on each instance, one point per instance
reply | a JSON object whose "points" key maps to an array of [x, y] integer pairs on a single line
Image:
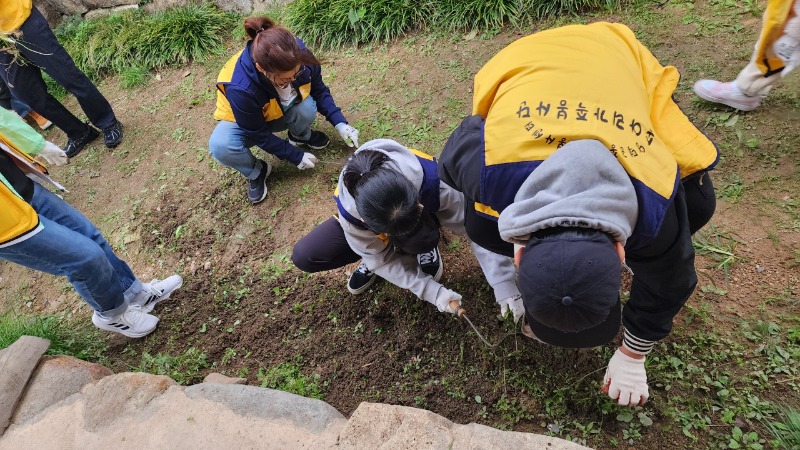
{"points": [[252, 25], [275, 48]]}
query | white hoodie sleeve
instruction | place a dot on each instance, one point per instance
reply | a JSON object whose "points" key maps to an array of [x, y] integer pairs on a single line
{"points": [[399, 269]]}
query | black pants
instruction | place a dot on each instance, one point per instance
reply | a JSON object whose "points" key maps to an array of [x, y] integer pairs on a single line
{"points": [[663, 267], [40, 51], [323, 248]]}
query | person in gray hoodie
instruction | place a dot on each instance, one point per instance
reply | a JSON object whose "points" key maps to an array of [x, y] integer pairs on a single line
{"points": [[574, 223], [586, 167], [391, 207]]}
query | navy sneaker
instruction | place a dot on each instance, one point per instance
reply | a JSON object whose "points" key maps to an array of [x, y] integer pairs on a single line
{"points": [[257, 188], [361, 279], [74, 146], [317, 141], [112, 135], [431, 263]]}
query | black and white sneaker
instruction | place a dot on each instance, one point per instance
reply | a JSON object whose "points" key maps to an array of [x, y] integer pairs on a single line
{"points": [[431, 263], [361, 279], [133, 322], [257, 189], [317, 141], [156, 291]]}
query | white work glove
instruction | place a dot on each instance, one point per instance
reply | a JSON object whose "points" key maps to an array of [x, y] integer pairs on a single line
{"points": [[349, 134], [787, 47], [53, 154], [626, 380], [308, 161], [513, 304], [443, 301]]}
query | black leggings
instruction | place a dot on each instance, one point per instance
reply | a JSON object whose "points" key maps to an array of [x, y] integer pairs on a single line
{"points": [[323, 248]]}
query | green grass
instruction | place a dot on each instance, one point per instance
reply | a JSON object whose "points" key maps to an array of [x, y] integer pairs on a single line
{"points": [[786, 432], [141, 41], [333, 23], [288, 377], [76, 338], [185, 368]]}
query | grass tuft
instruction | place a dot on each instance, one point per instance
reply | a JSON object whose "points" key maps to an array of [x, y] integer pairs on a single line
{"points": [[115, 44], [787, 433], [288, 377], [67, 337], [185, 368], [338, 22]]}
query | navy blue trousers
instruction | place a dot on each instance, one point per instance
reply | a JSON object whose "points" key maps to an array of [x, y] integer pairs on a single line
{"points": [[39, 51]]}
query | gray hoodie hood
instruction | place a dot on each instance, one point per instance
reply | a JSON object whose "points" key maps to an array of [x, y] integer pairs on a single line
{"points": [[581, 185]]}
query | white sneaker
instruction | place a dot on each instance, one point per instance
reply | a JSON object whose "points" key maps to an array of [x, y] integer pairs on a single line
{"points": [[726, 94], [133, 322], [156, 291]]}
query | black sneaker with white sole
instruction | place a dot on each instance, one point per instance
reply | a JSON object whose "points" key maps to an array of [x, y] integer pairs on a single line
{"points": [[317, 141], [431, 263], [257, 189], [361, 279]]}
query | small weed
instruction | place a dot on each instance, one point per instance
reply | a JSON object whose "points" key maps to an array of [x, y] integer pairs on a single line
{"points": [[227, 356], [134, 76], [185, 368], [288, 377], [719, 246]]}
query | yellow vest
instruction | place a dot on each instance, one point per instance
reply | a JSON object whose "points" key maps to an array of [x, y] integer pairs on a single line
{"points": [[585, 82], [13, 13], [18, 217], [272, 107], [775, 18]]}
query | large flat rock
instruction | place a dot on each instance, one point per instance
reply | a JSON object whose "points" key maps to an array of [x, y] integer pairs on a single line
{"points": [[17, 363], [56, 378], [138, 411]]}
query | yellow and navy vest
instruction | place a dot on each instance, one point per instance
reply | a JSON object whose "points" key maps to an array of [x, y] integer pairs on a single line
{"points": [[234, 71], [428, 192], [18, 218], [585, 82]]}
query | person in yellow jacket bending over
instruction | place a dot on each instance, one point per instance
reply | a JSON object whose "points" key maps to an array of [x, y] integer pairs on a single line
{"points": [[777, 53], [576, 160], [41, 231]]}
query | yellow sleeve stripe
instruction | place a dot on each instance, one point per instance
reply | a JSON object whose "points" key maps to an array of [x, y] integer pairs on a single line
{"points": [[485, 209], [422, 155]]}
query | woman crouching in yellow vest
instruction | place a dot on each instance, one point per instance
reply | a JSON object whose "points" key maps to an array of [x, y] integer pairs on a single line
{"points": [[274, 84], [577, 154]]}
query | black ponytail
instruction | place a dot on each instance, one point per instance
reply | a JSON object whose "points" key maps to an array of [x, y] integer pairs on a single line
{"points": [[385, 198]]}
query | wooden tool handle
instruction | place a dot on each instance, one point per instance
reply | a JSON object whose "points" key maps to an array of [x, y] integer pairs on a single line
{"points": [[457, 309]]}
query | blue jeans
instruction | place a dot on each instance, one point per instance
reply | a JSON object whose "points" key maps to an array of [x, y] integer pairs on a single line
{"points": [[230, 146], [71, 246]]}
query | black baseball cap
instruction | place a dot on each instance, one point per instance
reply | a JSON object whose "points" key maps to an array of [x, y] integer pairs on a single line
{"points": [[569, 281]]}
